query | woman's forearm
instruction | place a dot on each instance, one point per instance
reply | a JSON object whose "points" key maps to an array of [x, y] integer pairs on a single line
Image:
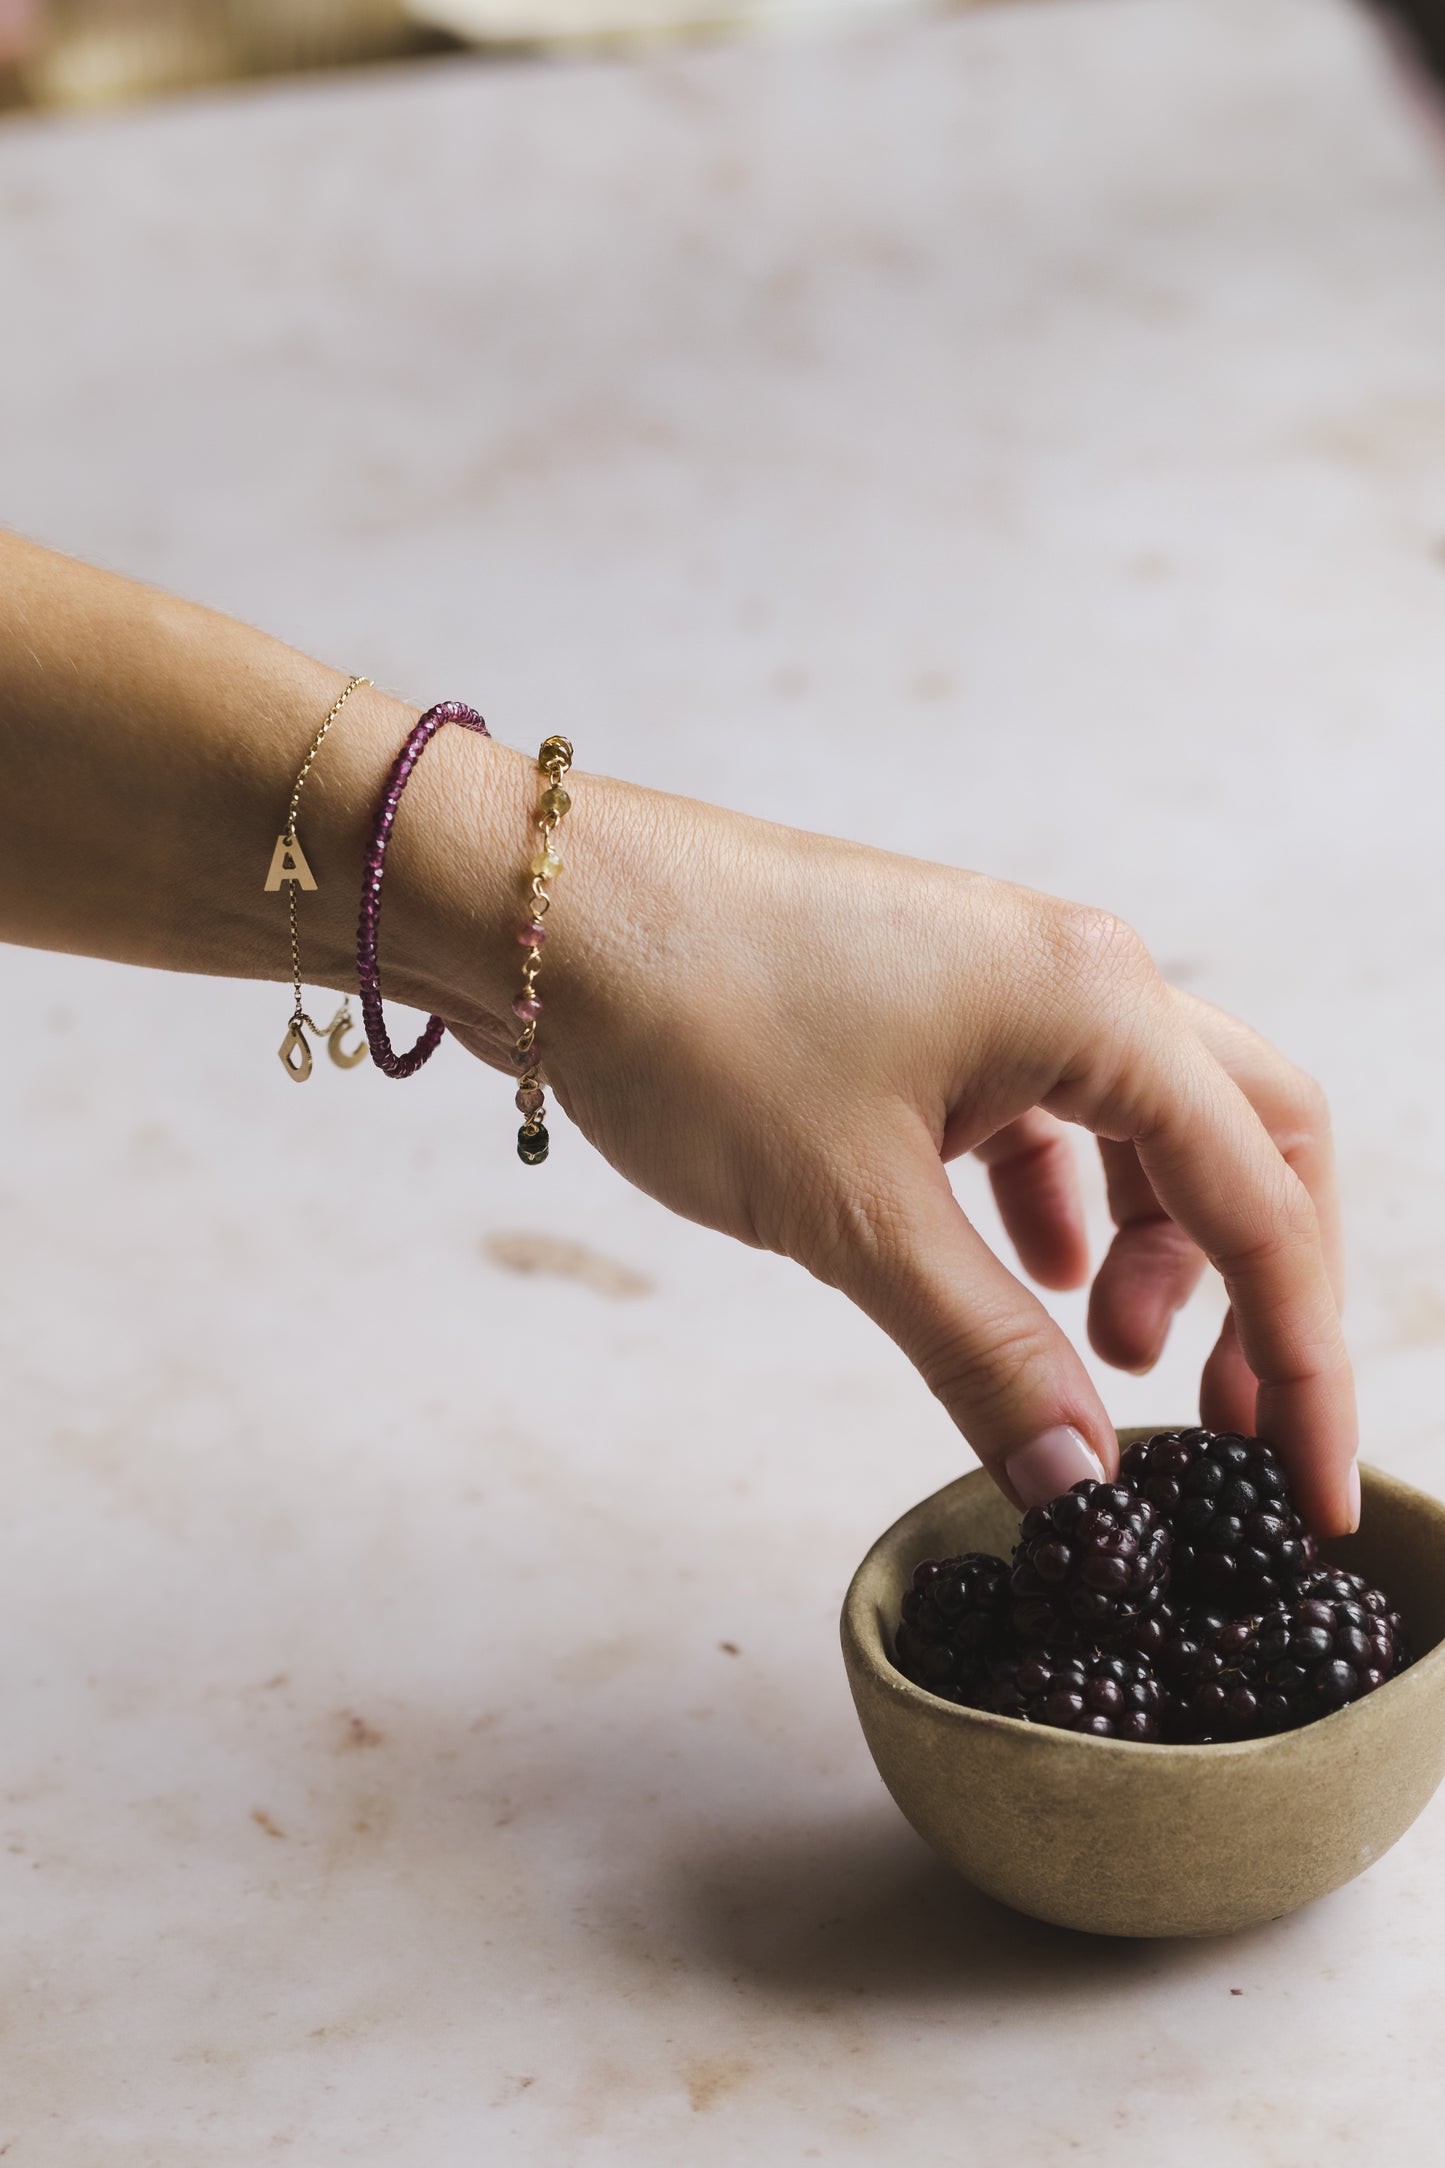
{"points": [[777, 1034], [150, 750]]}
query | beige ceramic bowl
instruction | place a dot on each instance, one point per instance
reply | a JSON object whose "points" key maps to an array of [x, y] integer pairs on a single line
{"points": [[1123, 1839]]}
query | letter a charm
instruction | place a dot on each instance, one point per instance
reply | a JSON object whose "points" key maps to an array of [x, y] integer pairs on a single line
{"points": [[288, 863]]}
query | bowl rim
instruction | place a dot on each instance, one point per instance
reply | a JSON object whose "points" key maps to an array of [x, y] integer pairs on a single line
{"points": [[861, 1628]]}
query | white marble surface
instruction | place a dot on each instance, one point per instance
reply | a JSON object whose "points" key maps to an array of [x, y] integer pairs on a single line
{"points": [[1019, 439]]}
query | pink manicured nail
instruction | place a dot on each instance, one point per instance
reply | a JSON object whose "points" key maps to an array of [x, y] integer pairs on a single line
{"points": [[1051, 1464], [1352, 1493]]}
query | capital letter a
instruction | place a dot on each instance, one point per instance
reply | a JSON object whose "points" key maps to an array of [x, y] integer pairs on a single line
{"points": [[288, 863]]}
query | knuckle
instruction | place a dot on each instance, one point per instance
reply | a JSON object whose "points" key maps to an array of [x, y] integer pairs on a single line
{"points": [[1093, 944], [1299, 1220], [996, 1366], [1104, 1017], [1290, 1224], [1119, 948]]}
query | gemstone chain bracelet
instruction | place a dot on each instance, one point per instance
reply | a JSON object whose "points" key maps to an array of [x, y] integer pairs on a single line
{"points": [[289, 866], [553, 760]]}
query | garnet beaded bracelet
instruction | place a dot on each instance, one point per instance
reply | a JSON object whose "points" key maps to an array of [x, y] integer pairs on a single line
{"points": [[368, 976]]}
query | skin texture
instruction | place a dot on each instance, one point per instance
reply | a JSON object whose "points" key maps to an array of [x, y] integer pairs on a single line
{"points": [[804, 1097]]}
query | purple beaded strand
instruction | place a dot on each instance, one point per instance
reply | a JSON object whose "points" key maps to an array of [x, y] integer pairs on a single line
{"points": [[368, 977]]}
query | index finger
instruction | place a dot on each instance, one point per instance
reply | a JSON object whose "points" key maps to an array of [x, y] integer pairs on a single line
{"points": [[1289, 1103], [1217, 1171]]}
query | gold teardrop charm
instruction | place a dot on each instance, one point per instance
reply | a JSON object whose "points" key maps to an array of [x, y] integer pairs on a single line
{"points": [[336, 1031], [295, 1054]]}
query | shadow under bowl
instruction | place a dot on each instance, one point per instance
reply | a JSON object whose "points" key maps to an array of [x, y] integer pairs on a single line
{"points": [[1118, 1838]]}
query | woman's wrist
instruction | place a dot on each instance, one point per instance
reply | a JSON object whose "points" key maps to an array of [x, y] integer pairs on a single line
{"points": [[453, 868], [156, 746]]}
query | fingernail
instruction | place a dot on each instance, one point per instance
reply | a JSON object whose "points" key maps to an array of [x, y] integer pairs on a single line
{"points": [[1352, 1493], [1051, 1464]]}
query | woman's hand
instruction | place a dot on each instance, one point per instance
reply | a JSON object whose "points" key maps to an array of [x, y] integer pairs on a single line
{"points": [[787, 1037]]}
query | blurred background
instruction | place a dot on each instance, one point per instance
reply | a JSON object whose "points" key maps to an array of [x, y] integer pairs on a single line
{"points": [[90, 52]]}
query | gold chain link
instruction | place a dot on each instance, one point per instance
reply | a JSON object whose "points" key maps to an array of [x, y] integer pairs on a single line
{"points": [[299, 1015]]}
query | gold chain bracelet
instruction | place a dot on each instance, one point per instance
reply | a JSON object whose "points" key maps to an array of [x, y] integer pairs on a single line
{"points": [[289, 866], [553, 760]]}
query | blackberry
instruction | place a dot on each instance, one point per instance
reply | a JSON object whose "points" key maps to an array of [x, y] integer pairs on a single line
{"points": [[1215, 1687], [1289, 1667], [952, 1622], [1088, 1568], [1238, 1541], [1147, 1635], [1332, 1584], [1110, 1695], [1171, 1638]]}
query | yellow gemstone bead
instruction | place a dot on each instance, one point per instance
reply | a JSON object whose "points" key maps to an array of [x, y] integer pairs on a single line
{"points": [[555, 800], [545, 864]]}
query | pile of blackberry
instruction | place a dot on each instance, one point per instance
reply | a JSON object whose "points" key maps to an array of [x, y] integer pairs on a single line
{"points": [[1183, 1602]]}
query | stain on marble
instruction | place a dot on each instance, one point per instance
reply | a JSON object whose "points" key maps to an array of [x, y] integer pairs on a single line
{"points": [[1396, 435], [710, 2077], [360, 1821], [357, 1733], [553, 1257], [264, 1821], [597, 1662]]}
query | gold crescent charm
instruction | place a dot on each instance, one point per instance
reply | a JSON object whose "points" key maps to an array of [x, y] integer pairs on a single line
{"points": [[336, 1031], [295, 1054]]}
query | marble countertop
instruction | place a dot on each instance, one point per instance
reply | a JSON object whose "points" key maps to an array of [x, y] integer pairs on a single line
{"points": [[1017, 438]]}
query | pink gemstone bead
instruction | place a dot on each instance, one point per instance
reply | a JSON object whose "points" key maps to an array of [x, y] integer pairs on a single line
{"points": [[531, 1100], [527, 1006], [533, 934]]}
